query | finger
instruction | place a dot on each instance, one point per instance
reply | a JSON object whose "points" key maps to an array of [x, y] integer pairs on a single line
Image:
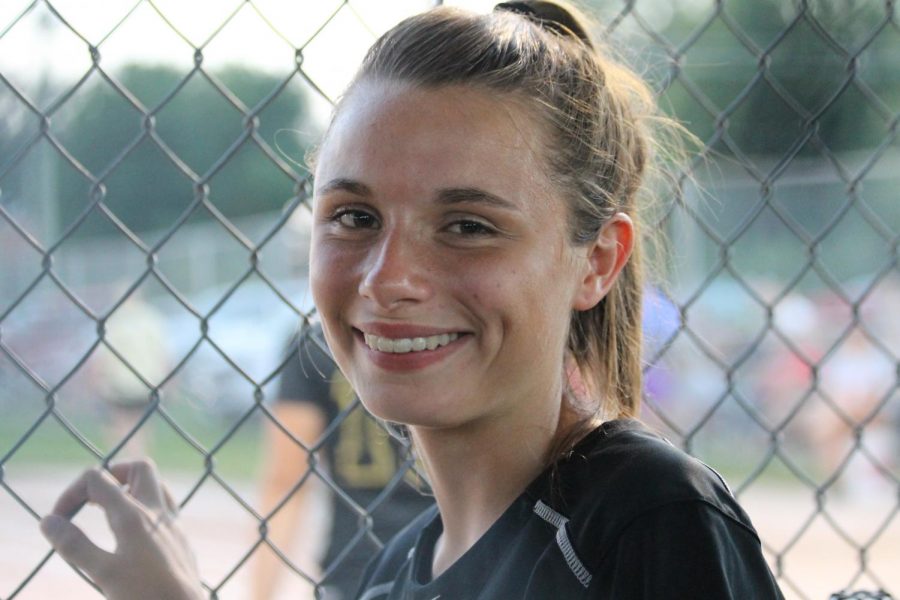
{"points": [[73, 497], [143, 482], [123, 512], [75, 547]]}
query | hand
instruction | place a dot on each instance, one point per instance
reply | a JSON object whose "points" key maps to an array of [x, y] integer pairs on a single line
{"points": [[152, 559]]}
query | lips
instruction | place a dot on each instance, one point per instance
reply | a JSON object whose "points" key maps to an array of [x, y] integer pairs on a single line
{"points": [[406, 345]]}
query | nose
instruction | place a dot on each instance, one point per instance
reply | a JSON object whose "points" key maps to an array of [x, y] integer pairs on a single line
{"points": [[396, 273]]}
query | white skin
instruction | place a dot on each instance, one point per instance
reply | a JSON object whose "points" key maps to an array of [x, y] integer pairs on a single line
{"points": [[433, 214], [152, 559]]}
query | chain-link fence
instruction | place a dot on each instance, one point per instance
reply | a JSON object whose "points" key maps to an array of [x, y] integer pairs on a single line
{"points": [[153, 223]]}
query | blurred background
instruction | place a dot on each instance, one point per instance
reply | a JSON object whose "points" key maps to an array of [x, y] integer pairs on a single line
{"points": [[154, 242]]}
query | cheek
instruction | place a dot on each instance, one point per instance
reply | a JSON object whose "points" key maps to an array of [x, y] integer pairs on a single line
{"points": [[535, 297], [327, 276], [500, 292], [317, 277]]}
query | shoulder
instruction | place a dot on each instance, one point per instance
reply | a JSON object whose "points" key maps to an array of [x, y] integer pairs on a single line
{"points": [[623, 471], [627, 460], [633, 503]]}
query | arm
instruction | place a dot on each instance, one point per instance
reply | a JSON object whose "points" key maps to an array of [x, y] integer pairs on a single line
{"points": [[152, 559], [285, 464]]}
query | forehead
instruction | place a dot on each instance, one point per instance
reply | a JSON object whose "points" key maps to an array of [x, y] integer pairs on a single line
{"points": [[437, 136]]}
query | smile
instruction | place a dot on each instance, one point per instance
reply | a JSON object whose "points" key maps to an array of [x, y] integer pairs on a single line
{"points": [[404, 345]]}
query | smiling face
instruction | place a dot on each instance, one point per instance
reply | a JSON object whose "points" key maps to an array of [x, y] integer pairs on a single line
{"points": [[440, 263]]}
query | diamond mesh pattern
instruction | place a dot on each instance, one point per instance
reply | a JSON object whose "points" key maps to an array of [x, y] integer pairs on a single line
{"points": [[773, 353]]}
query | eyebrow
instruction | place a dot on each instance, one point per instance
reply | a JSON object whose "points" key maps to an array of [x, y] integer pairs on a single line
{"points": [[445, 196], [343, 184], [474, 195]]}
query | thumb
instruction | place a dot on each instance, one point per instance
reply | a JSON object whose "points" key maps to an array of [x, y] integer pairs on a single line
{"points": [[75, 547]]}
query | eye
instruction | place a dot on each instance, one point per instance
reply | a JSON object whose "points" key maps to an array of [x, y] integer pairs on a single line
{"points": [[469, 227], [354, 218]]}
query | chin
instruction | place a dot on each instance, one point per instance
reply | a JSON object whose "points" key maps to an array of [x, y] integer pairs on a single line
{"points": [[412, 412]]}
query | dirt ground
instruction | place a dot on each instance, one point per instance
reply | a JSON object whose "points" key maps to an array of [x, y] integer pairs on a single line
{"points": [[823, 559]]}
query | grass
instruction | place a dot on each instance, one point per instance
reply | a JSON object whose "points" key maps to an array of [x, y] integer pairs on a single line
{"points": [[52, 445]]}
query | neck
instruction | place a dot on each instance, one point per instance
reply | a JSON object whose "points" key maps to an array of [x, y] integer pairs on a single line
{"points": [[478, 470]]}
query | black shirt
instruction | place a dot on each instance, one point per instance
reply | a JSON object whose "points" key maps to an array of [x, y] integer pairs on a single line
{"points": [[626, 517]]}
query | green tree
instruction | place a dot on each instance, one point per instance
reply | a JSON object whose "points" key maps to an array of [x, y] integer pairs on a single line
{"points": [[807, 51], [183, 130]]}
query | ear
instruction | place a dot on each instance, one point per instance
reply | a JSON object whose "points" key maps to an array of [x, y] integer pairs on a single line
{"points": [[604, 260]]}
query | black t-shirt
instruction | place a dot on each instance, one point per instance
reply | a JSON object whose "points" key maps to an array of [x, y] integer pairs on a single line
{"points": [[628, 517], [370, 471]]}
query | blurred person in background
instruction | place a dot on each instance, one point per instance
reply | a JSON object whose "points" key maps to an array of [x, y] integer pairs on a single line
{"points": [[136, 332], [372, 490], [855, 383]]}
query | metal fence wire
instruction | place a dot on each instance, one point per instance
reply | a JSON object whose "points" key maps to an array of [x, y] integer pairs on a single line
{"points": [[773, 353]]}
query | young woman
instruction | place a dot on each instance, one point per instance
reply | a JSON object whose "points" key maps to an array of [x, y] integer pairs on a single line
{"points": [[476, 266]]}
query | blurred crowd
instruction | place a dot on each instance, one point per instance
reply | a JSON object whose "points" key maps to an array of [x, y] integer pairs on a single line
{"points": [[816, 376]]}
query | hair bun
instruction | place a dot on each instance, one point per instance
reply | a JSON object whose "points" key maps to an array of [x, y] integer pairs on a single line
{"points": [[549, 15]]}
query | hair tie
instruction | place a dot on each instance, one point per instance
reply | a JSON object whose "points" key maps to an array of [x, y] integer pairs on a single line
{"points": [[548, 15]]}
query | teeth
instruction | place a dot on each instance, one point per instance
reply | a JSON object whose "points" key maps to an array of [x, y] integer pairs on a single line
{"points": [[404, 345]]}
